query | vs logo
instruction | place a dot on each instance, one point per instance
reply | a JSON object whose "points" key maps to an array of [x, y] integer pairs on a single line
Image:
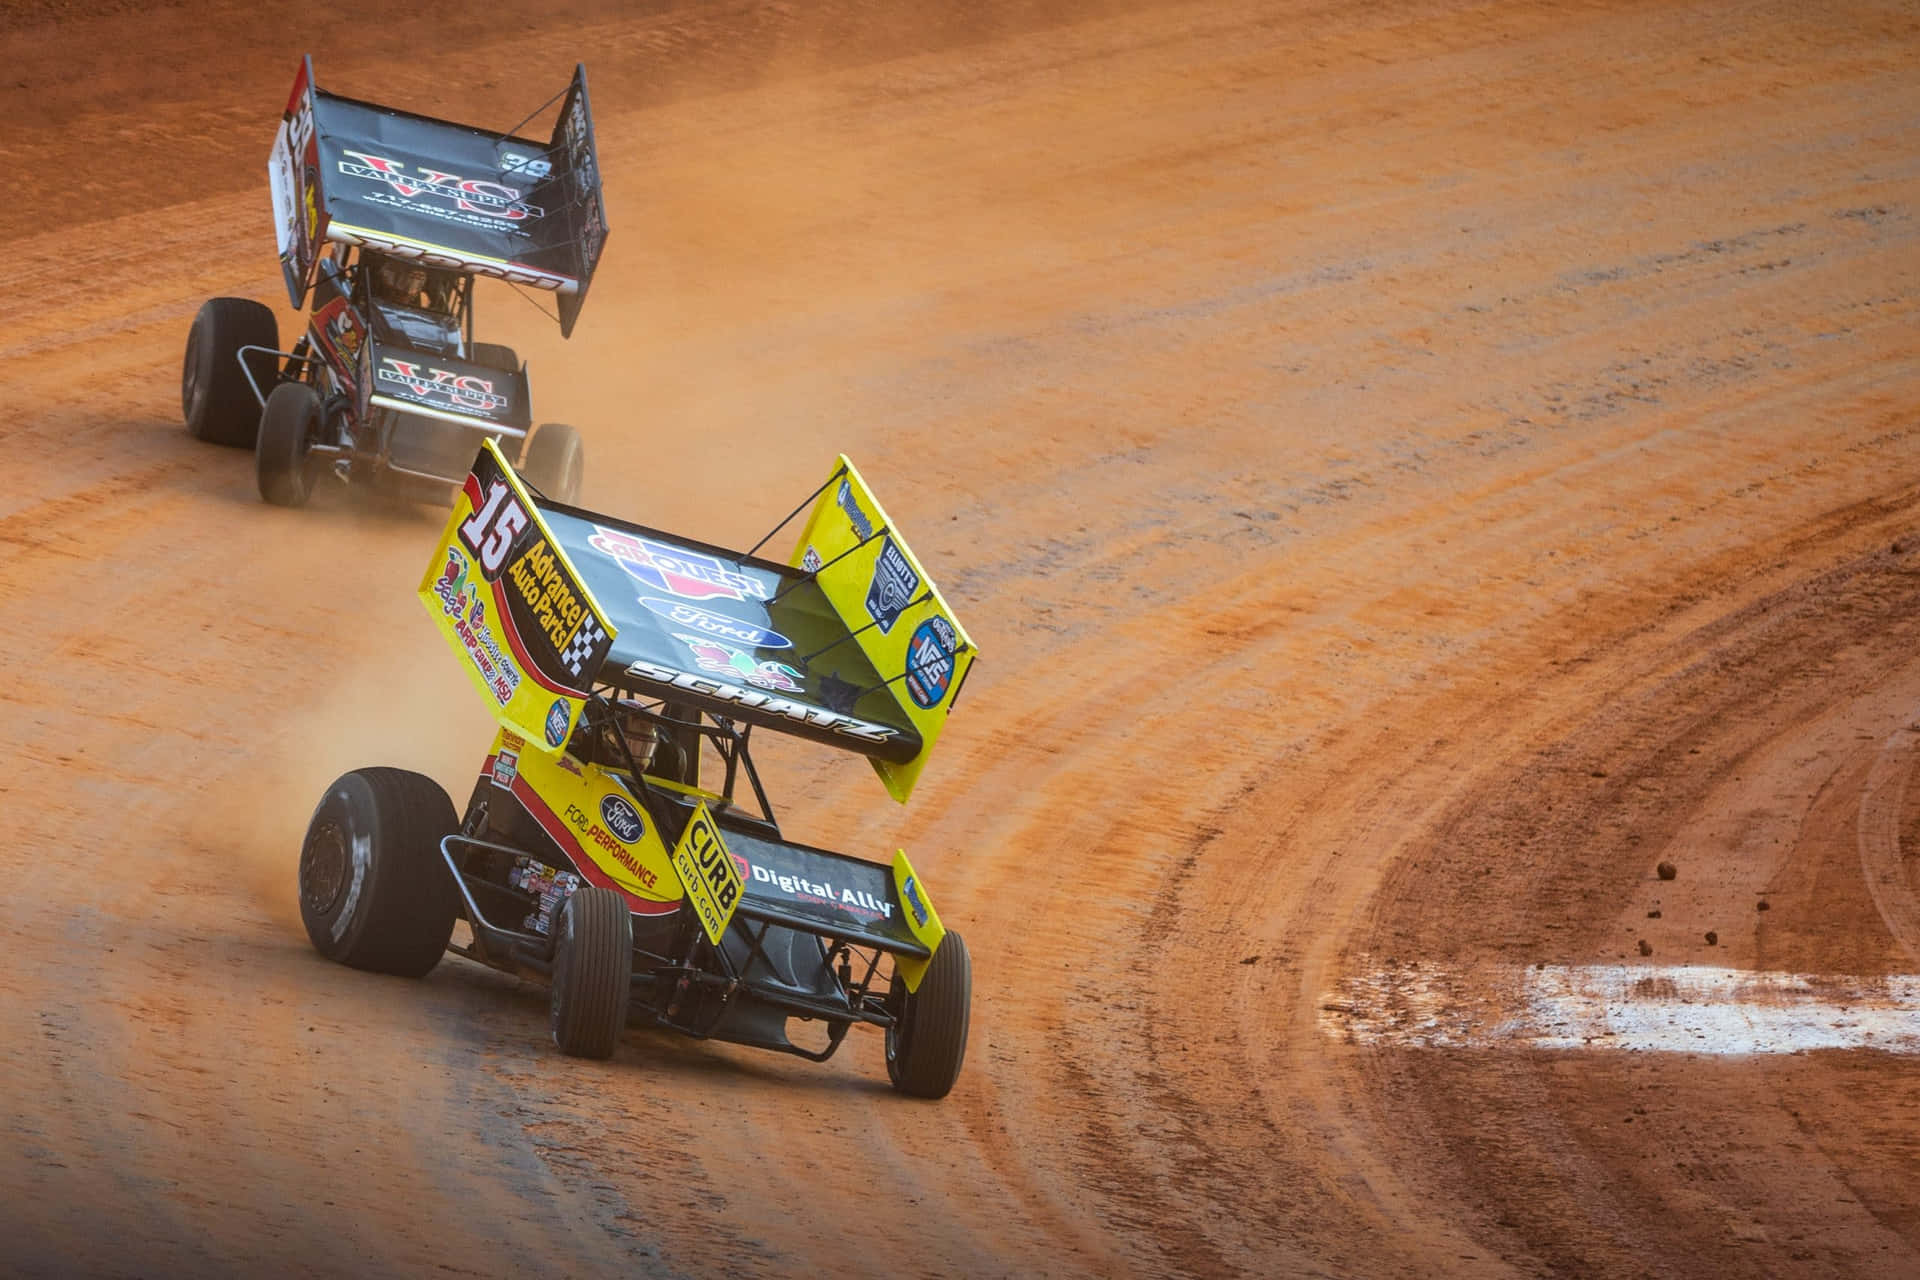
{"points": [[469, 195], [461, 390]]}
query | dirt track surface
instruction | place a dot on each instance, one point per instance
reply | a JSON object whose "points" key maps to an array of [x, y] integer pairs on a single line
{"points": [[1411, 468]]}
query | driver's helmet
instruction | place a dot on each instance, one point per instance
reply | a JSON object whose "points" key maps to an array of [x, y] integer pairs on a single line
{"points": [[401, 282], [635, 726]]}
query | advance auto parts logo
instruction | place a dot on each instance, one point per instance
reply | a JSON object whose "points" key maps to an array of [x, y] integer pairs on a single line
{"points": [[622, 818], [441, 388]]}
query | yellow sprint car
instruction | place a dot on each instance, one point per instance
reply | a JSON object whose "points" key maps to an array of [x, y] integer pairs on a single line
{"points": [[618, 843]]}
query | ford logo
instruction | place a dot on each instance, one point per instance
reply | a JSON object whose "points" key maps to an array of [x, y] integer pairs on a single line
{"points": [[718, 625], [621, 818]]}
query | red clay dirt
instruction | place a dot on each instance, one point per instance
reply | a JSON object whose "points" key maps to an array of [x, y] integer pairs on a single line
{"points": [[1410, 468]]}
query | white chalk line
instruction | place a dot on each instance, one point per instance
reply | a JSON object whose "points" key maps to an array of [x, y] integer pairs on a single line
{"points": [[1630, 1008]]}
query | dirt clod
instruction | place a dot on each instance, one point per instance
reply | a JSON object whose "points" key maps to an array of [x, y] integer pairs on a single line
{"points": [[1713, 939], [1646, 948], [1667, 870]]}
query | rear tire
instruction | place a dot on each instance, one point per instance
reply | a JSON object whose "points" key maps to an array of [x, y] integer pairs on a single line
{"points": [[374, 891], [928, 1040], [288, 429], [555, 462], [215, 399], [496, 355], [592, 972]]}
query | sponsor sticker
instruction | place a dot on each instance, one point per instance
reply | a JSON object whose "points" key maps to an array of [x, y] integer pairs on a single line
{"points": [[506, 767], [707, 873], [439, 388], [473, 202], [914, 904], [930, 654], [811, 561], [714, 656], [678, 571], [798, 712], [621, 818], [559, 611], [892, 587], [843, 496], [557, 717], [858, 903], [460, 600], [717, 625]]}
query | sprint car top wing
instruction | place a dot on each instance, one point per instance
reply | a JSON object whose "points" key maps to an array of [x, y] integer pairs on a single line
{"points": [[738, 636], [446, 194], [850, 645]]}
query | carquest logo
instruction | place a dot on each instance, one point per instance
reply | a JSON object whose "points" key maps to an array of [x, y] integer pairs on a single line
{"points": [[557, 718], [621, 818]]}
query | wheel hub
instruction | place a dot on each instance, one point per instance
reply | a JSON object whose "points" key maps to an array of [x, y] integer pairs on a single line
{"points": [[323, 869]]}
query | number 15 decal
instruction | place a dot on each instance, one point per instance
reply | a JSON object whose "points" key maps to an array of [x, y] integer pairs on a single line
{"points": [[491, 531]]}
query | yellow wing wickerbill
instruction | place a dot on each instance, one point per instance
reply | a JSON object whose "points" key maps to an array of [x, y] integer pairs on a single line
{"points": [[513, 607], [897, 615], [707, 872], [921, 919]]}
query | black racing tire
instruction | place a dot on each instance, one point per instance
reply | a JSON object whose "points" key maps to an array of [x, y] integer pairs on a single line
{"points": [[928, 1040], [555, 462], [496, 355], [289, 426], [592, 972], [374, 891], [215, 399]]}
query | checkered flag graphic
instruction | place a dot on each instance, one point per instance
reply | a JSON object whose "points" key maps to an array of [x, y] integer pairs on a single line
{"points": [[579, 651]]}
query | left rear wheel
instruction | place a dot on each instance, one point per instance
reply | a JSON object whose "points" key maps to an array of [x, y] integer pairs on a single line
{"points": [[374, 891], [215, 400]]}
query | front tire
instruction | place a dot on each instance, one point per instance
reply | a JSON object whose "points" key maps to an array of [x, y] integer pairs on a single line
{"points": [[592, 972], [288, 429], [928, 1040], [218, 405], [555, 462], [374, 891]]}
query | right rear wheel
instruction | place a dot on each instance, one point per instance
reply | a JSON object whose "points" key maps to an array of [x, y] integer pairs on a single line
{"points": [[555, 462], [592, 972], [214, 396], [496, 355], [928, 1039]]}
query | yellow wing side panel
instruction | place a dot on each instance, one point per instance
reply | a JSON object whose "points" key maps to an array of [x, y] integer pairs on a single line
{"points": [[921, 918], [512, 607], [899, 618]]}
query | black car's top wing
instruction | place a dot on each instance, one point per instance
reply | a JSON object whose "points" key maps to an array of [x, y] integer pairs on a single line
{"points": [[448, 195]]}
